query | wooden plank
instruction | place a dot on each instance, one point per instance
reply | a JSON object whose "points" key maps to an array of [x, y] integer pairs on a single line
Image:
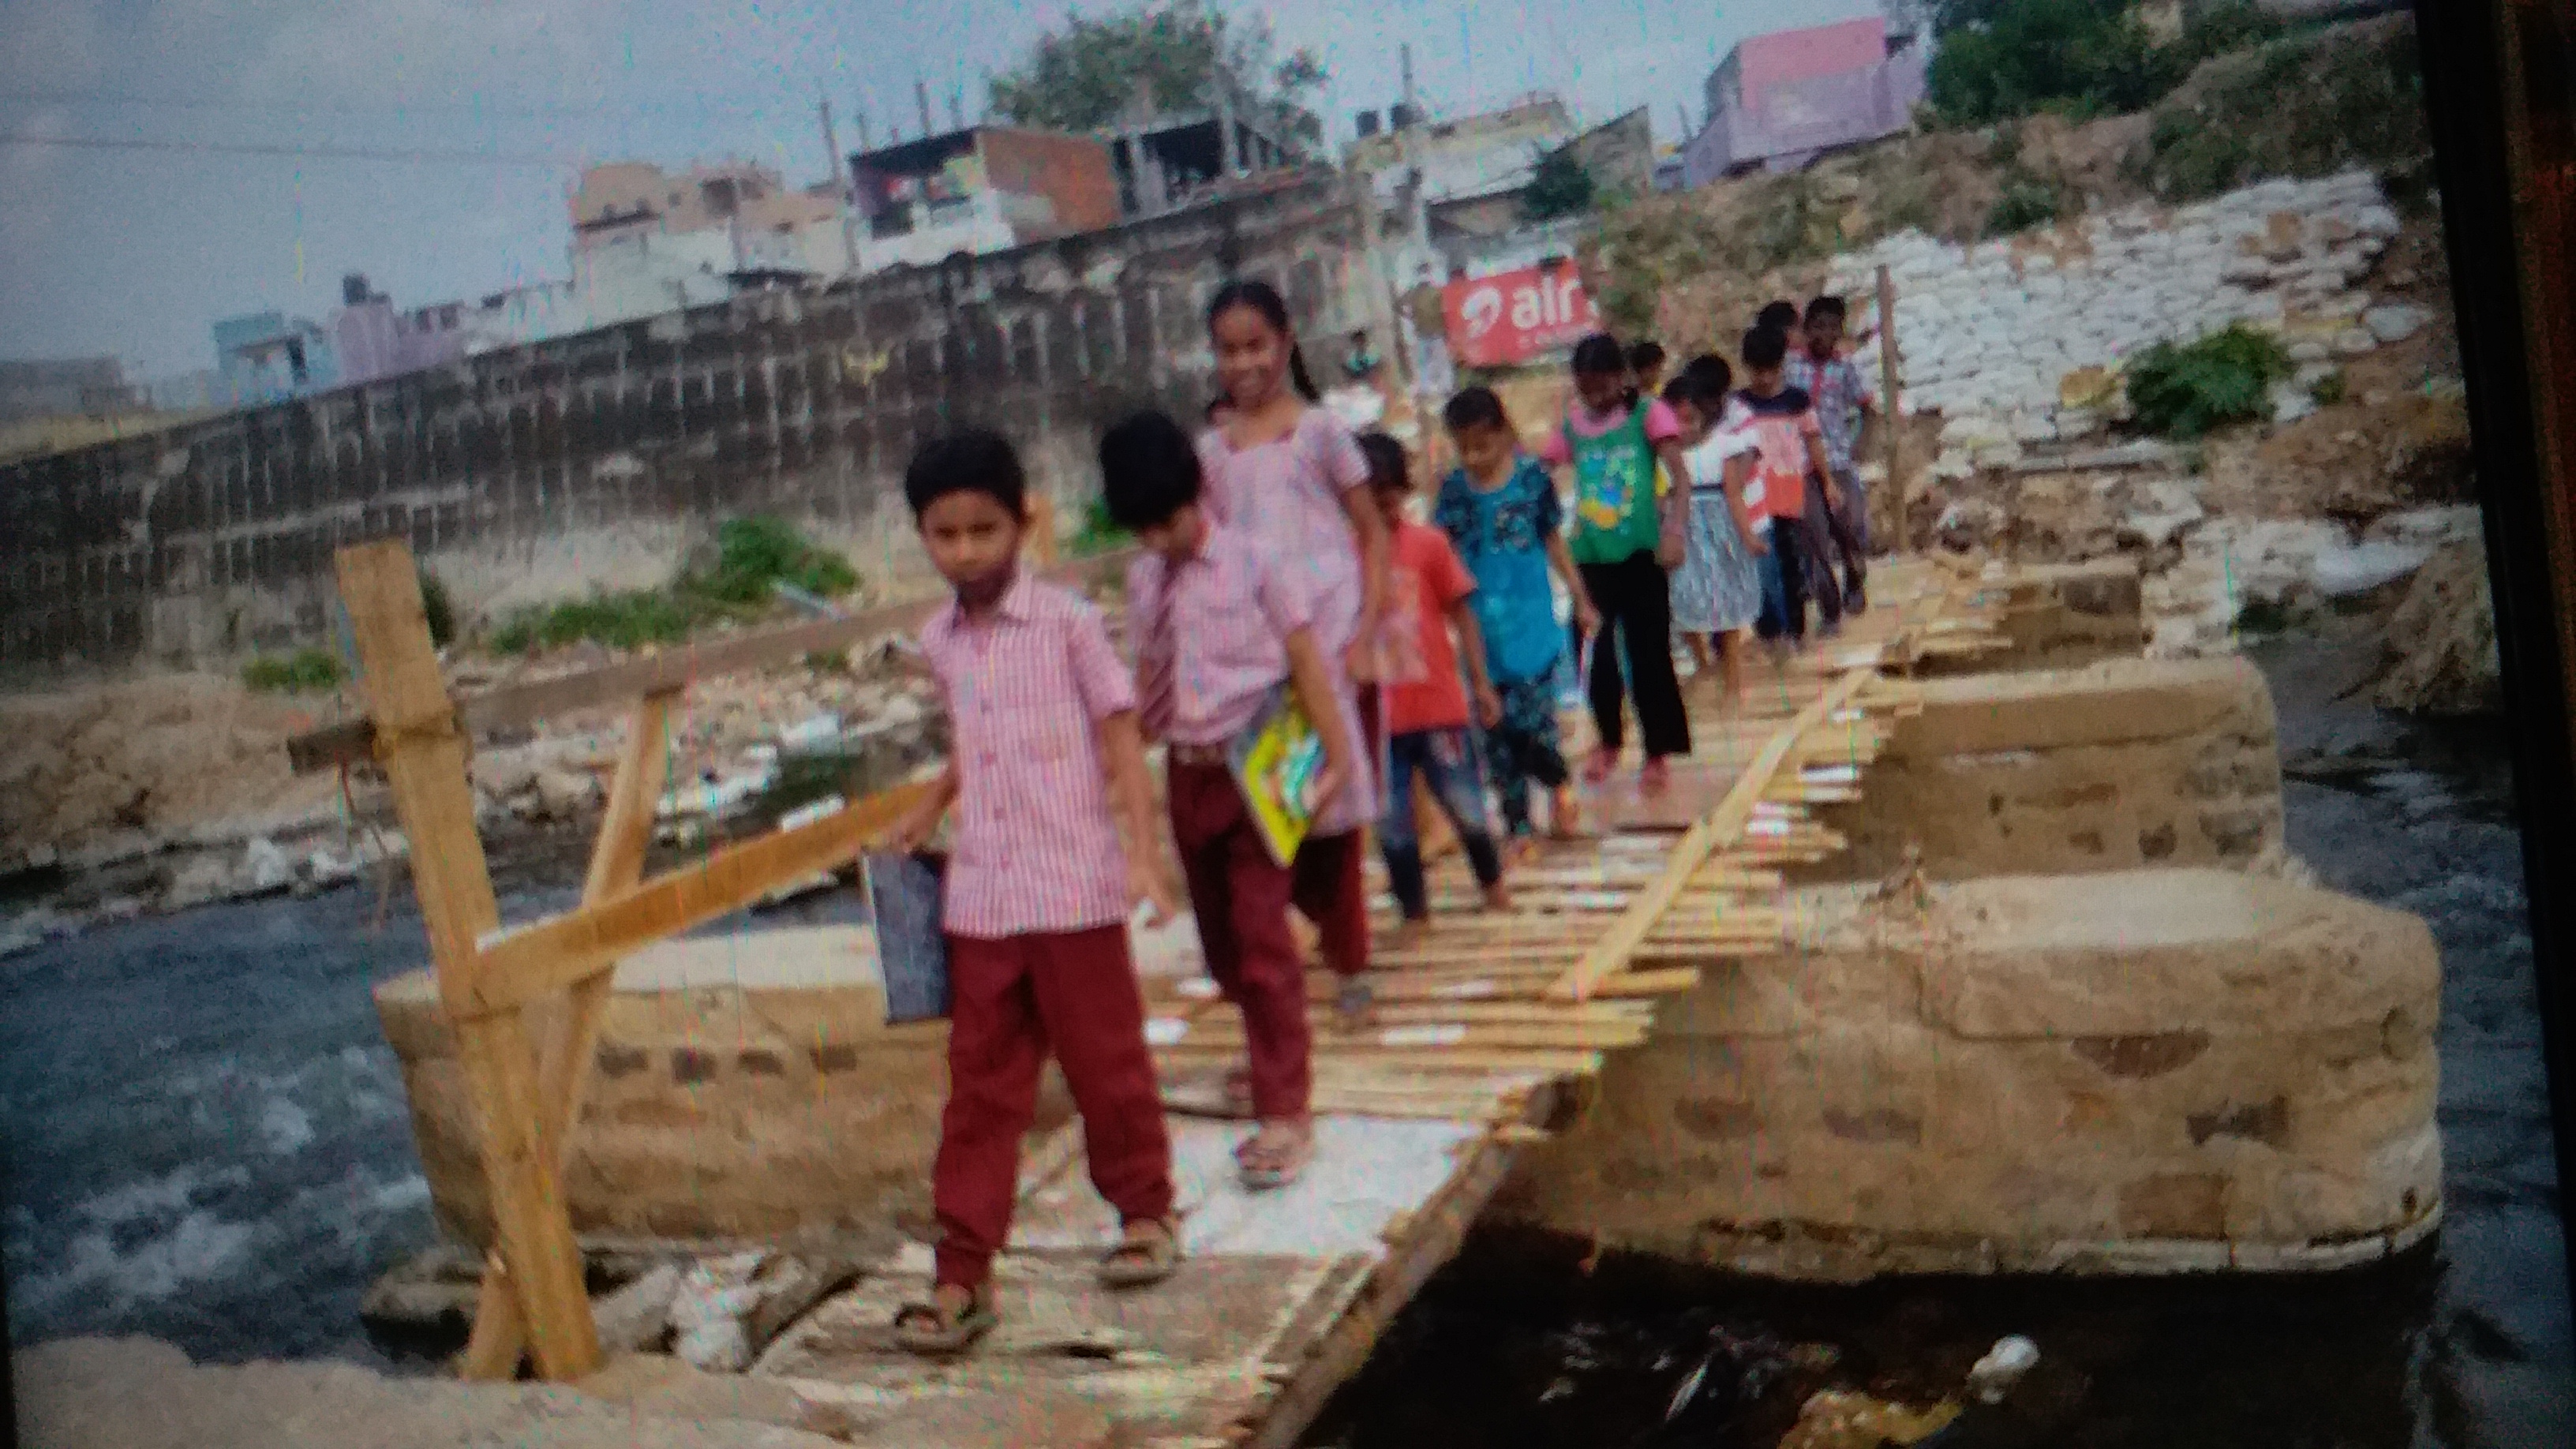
{"points": [[564, 1064], [530, 961], [670, 669], [424, 762], [1721, 827], [1891, 415]]}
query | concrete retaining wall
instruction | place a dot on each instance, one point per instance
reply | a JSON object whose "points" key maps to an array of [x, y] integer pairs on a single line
{"points": [[2141, 1071], [740, 1090], [2120, 764], [592, 461]]}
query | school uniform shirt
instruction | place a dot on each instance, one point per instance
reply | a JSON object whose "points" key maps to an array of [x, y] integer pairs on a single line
{"points": [[1501, 535], [1613, 455], [1036, 848], [1423, 691], [1211, 636], [1781, 424]]}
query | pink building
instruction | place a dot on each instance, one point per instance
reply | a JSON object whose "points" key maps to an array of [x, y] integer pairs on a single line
{"points": [[1779, 100]]}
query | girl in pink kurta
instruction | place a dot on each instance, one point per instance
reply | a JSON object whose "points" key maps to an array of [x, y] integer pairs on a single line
{"points": [[1291, 476]]}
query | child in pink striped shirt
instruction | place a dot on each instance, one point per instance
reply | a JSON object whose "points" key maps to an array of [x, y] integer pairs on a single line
{"points": [[1038, 891], [1218, 626]]}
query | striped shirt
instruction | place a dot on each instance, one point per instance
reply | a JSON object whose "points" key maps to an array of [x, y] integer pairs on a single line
{"points": [[1211, 636], [1839, 389], [1026, 689]]}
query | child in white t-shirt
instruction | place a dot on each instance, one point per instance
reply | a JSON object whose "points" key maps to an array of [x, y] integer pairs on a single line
{"points": [[1717, 592]]}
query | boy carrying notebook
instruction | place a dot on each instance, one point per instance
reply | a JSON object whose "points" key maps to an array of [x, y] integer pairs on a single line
{"points": [[1037, 894]]}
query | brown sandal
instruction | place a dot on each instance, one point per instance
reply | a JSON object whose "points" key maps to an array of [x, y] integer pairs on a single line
{"points": [[1147, 1255], [1266, 1167], [932, 1331]]}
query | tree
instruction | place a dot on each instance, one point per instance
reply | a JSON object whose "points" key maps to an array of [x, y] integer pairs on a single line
{"points": [[1083, 77], [1559, 186], [1999, 59]]}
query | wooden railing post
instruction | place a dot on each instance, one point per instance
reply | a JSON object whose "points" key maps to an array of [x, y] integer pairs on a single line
{"points": [[563, 1068], [423, 755]]}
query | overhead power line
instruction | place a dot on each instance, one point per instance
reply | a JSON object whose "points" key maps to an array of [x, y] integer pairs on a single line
{"points": [[336, 153], [605, 109]]}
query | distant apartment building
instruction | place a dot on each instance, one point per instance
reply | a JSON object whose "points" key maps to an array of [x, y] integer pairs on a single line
{"points": [[269, 357], [1450, 193], [85, 387], [1778, 101], [979, 189], [1169, 157]]}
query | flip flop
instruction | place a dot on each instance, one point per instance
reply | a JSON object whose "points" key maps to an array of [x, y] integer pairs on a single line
{"points": [[1267, 1169], [1655, 778], [927, 1329], [1356, 998], [1140, 1262]]}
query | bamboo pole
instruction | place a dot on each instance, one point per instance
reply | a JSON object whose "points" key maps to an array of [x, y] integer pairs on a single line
{"points": [[424, 762], [563, 1068]]}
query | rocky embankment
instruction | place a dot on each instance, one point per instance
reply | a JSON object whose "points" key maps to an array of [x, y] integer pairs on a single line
{"points": [[159, 794], [2344, 500]]}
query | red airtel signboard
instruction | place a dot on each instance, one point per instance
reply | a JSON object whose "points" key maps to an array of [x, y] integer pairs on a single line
{"points": [[1511, 317]]}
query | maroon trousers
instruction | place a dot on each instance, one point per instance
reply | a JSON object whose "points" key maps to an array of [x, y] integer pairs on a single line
{"points": [[1010, 999], [1240, 897]]}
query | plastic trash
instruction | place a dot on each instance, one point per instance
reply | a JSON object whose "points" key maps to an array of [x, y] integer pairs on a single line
{"points": [[2002, 1367]]}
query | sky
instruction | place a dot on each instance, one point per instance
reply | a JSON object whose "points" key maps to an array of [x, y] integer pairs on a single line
{"points": [[479, 115]]}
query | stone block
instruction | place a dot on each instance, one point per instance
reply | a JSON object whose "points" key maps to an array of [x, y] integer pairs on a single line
{"points": [[2086, 1091], [2119, 764]]}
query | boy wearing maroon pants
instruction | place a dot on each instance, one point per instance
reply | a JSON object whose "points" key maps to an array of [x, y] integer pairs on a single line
{"points": [[1038, 891], [1217, 629]]}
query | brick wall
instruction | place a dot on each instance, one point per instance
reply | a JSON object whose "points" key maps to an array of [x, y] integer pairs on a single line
{"points": [[1071, 171], [595, 460]]}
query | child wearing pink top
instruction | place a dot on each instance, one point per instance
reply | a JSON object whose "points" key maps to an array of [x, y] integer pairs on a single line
{"points": [[1037, 894], [1290, 478], [1218, 625]]}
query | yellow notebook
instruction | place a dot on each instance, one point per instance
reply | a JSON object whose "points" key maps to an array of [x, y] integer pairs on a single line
{"points": [[1275, 763]]}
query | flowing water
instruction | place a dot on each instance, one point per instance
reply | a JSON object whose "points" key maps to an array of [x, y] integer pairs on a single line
{"points": [[206, 1142]]}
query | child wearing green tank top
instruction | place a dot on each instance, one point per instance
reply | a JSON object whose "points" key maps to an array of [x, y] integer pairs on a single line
{"points": [[1625, 542]]}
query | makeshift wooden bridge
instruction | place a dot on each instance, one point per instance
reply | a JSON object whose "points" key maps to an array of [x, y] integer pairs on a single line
{"points": [[1486, 1030]]}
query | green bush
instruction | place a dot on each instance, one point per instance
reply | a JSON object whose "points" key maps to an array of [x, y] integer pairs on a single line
{"points": [[754, 554], [1098, 534], [2026, 202], [2359, 102], [2330, 389], [305, 669], [441, 610], [2225, 377], [620, 621], [2001, 59]]}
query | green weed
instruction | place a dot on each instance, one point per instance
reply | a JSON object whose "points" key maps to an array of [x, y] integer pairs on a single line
{"points": [[305, 669], [2226, 377]]}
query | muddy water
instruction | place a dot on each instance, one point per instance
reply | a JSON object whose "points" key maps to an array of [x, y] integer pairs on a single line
{"points": [[2464, 1344], [206, 1142]]}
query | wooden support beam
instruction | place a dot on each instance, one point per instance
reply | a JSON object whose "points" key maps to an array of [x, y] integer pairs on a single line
{"points": [[564, 1064], [658, 673], [529, 962], [424, 762], [1722, 827]]}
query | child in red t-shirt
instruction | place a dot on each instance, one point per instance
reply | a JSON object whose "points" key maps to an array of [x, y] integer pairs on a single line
{"points": [[1426, 710]]}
